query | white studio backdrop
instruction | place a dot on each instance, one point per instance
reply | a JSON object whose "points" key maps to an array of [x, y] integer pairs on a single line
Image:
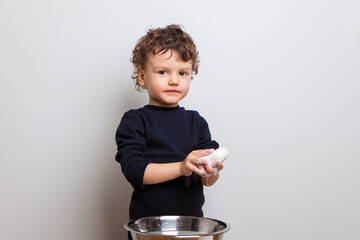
{"points": [[279, 84]]}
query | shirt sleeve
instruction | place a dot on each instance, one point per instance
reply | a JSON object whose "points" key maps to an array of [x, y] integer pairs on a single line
{"points": [[130, 140], [204, 136]]}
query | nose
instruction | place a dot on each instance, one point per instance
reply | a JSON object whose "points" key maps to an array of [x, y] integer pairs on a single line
{"points": [[173, 80]]}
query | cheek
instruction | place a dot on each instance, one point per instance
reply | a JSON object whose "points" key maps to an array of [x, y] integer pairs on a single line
{"points": [[186, 85], [155, 87], [156, 84]]}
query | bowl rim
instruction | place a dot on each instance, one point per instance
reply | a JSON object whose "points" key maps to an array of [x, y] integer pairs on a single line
{"points": [[226, 229]]}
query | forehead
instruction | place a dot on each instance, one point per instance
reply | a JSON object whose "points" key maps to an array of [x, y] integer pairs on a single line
{"points": [[170, 57]]}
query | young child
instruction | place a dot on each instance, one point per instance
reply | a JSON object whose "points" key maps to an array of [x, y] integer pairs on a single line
{"points": [[161, 144]]}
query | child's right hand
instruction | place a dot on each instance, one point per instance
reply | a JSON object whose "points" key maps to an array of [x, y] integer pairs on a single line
{"points": [[195, 163]]}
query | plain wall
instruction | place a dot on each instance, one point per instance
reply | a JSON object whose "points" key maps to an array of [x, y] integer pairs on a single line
{"points": [[279, 85]]}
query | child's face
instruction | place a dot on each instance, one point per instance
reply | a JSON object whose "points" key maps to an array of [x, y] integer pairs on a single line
{"points": [[166, 78]]}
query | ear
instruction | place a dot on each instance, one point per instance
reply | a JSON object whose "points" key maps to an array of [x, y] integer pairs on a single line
{"points": [[141, 77]]}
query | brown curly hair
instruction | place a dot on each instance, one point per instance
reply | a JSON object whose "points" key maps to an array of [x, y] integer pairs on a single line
{"points": [[161, 40]]}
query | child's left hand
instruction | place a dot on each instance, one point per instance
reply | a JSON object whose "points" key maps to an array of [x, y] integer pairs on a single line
{"points": [[212, 171], [212, 174]]}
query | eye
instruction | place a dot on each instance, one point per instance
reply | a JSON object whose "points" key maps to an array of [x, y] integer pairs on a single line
{"points": [[162, 72], [183, 73]]}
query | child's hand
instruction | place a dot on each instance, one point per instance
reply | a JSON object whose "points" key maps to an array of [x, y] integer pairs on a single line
{"points": [[211, 171], [194, 162]]}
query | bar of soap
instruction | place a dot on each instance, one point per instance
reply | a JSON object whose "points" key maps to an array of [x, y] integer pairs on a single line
{"points": [[219, 154]]}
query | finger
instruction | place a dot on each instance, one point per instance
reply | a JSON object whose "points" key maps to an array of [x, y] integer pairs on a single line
{"points": [[219, 165], [198, 160], [197, 169], [208, 151], [216, 171], [202, 152], [202, 170], [201, 155], [209, 169]]}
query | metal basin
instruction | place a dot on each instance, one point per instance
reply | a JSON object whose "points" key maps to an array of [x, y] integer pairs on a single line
{"points": [[176, 227]]}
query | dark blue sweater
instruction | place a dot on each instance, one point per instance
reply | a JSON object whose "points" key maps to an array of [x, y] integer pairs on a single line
{"points": [[155, 134]]}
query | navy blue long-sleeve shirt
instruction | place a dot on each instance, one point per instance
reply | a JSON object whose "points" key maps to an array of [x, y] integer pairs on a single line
{"points": [[155, 134]]}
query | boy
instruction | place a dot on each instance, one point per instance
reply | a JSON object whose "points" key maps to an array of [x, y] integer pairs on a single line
{"points": [[161, 144]]}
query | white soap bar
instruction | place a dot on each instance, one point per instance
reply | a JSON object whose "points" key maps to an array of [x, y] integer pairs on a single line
{"points": [[219, 154]]}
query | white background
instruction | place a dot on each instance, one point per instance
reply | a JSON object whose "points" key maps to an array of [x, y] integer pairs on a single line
{"points": [[279, 84]]}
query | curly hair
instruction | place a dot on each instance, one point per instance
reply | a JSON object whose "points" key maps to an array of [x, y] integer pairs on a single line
{"points": [[161, 40]]}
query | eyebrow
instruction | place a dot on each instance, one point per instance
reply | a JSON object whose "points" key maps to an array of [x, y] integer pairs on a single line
{"points": [[165, 67]]}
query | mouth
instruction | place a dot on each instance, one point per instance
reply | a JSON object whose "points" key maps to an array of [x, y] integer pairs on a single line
{"points": [[172, 91]]}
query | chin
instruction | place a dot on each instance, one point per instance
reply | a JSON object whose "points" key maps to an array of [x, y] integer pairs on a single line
{"points": [[171, 102]]}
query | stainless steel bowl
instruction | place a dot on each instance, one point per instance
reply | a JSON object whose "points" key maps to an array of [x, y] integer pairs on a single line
{"points": [[176, 227]]}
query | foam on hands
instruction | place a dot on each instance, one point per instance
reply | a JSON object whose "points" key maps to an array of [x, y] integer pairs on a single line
{"points": [[219, 154]]}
